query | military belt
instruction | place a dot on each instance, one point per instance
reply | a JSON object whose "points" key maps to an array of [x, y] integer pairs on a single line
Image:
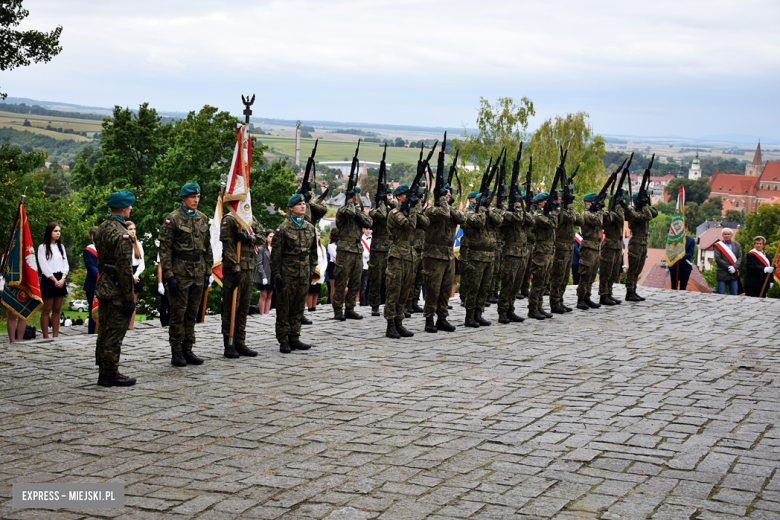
{"points": [[403, 242], [182, 256], [514, 244], [545, 243], [437, 241], [350, 239], [482, 248], [299, 257]]}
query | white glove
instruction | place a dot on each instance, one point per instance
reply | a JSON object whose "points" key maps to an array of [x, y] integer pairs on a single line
{"points": [[771, 285], [732, 270], [265, 281], [161, 289], [211, 280], [769, 269]]}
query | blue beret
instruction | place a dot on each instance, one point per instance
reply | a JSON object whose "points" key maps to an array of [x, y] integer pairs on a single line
{"points": [[120, 199], [295, 199], [357, 189], [401, 189], [191, 188], [472, 195], [541, 196], [590, 197]]}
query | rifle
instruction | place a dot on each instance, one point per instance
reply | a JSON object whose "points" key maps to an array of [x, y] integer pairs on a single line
{"points": [[454, 172], [414, 190], [619, 191], [514, 189], [598, 204], [568, 198], [501, 188], [438, 187], [306, 188], [528, 197], [642, 198], [350, 191], [552, 199], [487, 179], [381, 189]]}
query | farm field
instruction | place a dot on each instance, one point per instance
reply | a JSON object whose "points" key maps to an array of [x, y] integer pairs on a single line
{"points": [[336, 150], [39, 124]]}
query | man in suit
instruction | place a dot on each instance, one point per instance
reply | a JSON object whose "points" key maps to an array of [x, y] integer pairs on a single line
{"points": [[91, 263], [728, 258], [684, 266]]}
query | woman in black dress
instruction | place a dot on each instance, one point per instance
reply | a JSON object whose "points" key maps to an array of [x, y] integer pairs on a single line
{"points": [[759, 267], [53, 264]]}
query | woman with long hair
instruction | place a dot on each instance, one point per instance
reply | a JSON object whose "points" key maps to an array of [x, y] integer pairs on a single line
{"points": [[138, 266], [54, 268], [263, 279], [319, 275]]}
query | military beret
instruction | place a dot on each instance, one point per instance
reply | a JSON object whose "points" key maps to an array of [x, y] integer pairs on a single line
{"points": [[472, 194], [357, 189], [401, 189], [191, 188], [295, 199], [446, 185], [298, 190], [120, 199], [590, 197], [635, 196], [389, 189], [541, 196]]}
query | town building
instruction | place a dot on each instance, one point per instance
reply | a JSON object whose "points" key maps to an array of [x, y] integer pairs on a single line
{"points": [[745, 193], [694, 173]]}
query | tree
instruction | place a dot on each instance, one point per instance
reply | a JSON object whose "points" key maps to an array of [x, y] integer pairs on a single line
{"points": [[402, 172], [369, 186], [21, 48], [659, 231], [734, 215], [399, 143], [665, 207], [695, 191]]}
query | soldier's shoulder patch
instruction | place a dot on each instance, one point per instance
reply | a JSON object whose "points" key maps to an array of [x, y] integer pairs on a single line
{"points": [[126, 237], [503, 213], [395, 211], [167, 221]]}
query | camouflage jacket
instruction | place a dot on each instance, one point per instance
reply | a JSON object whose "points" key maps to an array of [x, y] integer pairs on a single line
{"points": [[479, 230], [419, 233], [530, 223], [613, 229], [493, 227], [294, 250], [314, 212], [591, 229], [380, 241], [114, 247], [544, 227], [639, 223], [513, 230], [185, 245], [351, 221], [401, 229], [440, 235], [564, 234], [227, 235]]}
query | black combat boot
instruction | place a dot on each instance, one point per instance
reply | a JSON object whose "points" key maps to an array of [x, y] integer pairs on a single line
{"points": [[116, 379], [632, 297], [582, 305], [525, 295], [641, 298], [502, 318], [487, 304], [471, 322], [535, 314], [617, 302], [284, 347], [606, 300], [558, 309], [492, 299], [514, 318], [339, 315], [352, 315], [546, 314], [482, 321], [429, 326], [407, 314], [297, 344], [305, 320], [416, 308], [375, 310], [399, 326], [591, 303], [230, 350], [568, 309], [519, 296], [391, 332], [177, 359], [443, 324], [191, 358], [244, 351]]}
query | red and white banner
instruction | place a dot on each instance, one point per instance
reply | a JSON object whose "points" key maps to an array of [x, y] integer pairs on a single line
{"points": [[726, 250], [237, 195], [216, 243]]}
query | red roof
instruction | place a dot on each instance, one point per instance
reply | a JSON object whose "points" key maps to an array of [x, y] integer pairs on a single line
{"points": [[727, 205], [658, 277], [665, 178], [757, 157], [771, 171], [709, 237], [733, 184]]}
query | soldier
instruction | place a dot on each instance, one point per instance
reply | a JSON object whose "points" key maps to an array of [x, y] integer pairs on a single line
{"points": [[314, 212], [480, 229], [525, 285], [590, 249], [638, 223], [471, 199], [564, 251], [186, 259], [293, 261], [412, 304], [438, 263], [513, 231], [542, 259], [114, 289], [380, 244], [495, 280], [237, 276], [400, 260], [349, 261], [611, 253]]}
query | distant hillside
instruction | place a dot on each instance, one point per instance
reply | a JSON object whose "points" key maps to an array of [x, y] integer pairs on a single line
{"points": [[38, 110]]}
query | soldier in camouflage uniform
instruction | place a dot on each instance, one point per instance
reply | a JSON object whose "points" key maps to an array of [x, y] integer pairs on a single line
{"points": [[412, 304], [513, 231], [314, 212], [530, 235], [293, 261], [564, 251], [238, 276], [186, 260], [380, 244], [438, 264], [542, 259], [481, 229], [590, 250], [463, 259], [495, 280], [400, 261], [114, 289], [611, 253], [349, 260], [638, 223]]}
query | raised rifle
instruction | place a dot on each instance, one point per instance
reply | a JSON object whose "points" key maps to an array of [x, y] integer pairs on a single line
{"points": [[500, 181], [484, 184], [642, 199], [414, 190], [568, 196], [598, 204], [619, 191], [528, 196], [485, 195], [514, 189], [306, 188], [438, 187], [352, 182], [381, 190], [552, 199], [454, 173]]}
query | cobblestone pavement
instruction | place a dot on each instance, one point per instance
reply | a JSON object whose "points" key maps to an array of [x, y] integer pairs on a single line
{"points": [[665, 409]]}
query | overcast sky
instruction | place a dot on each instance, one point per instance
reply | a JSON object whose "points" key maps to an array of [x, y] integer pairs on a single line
{"points": [[688, 68]]}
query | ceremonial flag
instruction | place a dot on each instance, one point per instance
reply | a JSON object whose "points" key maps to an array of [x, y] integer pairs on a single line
{"points": [[22, 292], [237, 195], [216, 243], [675, 241]]}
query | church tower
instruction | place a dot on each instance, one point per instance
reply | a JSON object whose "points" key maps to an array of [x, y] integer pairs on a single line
{"points": [[695, 172], [757, 167]]}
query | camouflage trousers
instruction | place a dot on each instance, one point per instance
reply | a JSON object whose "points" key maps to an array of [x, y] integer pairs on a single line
{"points": [[347, 273], [479, 275], [243, 297], [541, 265], [512, 270], [525, 283], [400, 274], [609, 268], [112, 326], [290, 304], [414, 294], [438, 275], [377, 265], [589, 268], [496, 280], [559, 276], [637, 255], [464, 282], [185, 306]]}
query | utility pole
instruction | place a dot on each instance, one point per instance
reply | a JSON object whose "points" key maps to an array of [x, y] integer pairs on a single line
{"points": [[298, 143]]}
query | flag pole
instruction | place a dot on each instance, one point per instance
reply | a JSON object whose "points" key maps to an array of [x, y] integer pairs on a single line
{"points": [[768, 276], [13, 230]]}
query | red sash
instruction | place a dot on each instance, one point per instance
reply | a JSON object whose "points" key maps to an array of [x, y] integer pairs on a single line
{"points": [[761, 257], [91, 249], [578, 238], [363, 241], [726, 251]]}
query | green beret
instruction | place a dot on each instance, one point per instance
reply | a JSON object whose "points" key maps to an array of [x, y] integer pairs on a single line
{"points": [[590, 197], [357, 189], [472, 195], [298, 190], [522, 193], [120, 199], [401, 189], [634, 196], [541, 196], [446, 185], [191, 188], [295, 199]]}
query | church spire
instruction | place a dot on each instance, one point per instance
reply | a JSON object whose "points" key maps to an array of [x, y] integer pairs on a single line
{"points": [[757, 157]]}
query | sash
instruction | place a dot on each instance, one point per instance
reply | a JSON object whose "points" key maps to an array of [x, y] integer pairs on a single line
{"points": [[578, 238], [761, 257], [363, 241], [726, 251], [91, 249]]}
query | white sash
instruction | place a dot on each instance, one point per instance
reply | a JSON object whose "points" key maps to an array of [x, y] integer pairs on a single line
{"points": [[762, 257], [578, 238], [727, 252]]}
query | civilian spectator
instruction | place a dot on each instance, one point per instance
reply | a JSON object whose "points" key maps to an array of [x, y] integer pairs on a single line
{"points": [[68, 322], [684, 266], [54, 268], [138, 266], [333, 242], [263, 278], [319, 275], [759, 270], [575, 259], [91, 263], [15, 325], [728, 258], [364, 285], [79, 321]]}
